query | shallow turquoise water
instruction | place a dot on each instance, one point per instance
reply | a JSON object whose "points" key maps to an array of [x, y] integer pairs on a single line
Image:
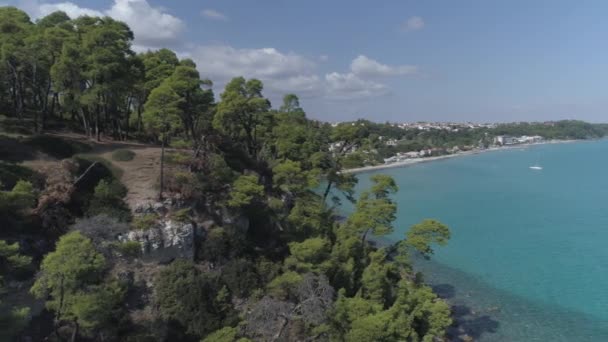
{"points": [[528, 258]]}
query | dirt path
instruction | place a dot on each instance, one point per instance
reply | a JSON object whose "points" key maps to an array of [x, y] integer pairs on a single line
{"points": [[140, 175]]}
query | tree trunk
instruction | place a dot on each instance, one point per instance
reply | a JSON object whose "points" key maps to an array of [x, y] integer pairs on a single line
{"points": [[162, 165], [75, 332]]}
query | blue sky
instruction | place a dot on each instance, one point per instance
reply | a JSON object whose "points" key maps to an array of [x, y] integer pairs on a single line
{"points": [[401, 60]]}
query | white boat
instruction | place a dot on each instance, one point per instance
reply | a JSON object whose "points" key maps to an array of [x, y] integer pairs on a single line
{"points": [[536, 167]]}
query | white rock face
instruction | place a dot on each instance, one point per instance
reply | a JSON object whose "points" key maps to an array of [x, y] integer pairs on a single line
{"points": [[166, 240]]}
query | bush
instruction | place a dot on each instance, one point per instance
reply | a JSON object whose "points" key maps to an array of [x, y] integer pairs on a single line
{"points": [[282, 286], [130, 249], [182, 215], [107, 199], [181, 143], [177, 158], [182, 182], [123, 155], [144, 222], [240, 276]]}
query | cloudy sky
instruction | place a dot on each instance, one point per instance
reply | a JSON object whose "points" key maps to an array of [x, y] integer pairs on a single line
{"points": [[396, 60]]}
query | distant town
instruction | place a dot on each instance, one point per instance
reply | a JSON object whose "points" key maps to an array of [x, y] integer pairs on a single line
{"points": [[486, 141]]}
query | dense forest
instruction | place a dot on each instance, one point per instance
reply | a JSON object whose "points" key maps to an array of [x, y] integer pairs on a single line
{"points": [[256, 186]]}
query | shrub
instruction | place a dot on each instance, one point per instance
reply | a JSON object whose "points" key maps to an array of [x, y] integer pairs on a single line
{"points": [[144, 222], [130, 249], [21, 197], [282, 286], [107, 199], [181, 143], [182, 182], [123, 155], [182, 215], [240, 276], [177, 158]]}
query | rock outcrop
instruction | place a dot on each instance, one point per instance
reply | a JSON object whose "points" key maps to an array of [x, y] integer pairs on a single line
{"points": [[165, 241]]}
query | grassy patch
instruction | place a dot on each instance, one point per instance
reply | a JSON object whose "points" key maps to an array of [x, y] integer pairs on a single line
{"points": [[56, 147], [123, 155], [144, 222]]}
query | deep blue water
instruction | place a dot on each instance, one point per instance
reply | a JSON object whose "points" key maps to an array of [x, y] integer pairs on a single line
{"points": [[528, 258]]}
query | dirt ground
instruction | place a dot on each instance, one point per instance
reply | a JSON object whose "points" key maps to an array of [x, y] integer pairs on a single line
{"points": [[139, 175]]}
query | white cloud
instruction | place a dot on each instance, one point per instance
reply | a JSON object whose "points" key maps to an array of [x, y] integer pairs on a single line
{"points": [[213, 14], [350, 86], [69, 8], [152, 26], [324, 58], [284, 72], [367, 67], [413, 24]]}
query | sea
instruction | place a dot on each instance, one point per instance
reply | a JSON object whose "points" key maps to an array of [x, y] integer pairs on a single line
{"points": [[528, 256]]}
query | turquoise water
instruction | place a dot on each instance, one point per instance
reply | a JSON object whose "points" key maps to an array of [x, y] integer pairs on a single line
{"points": [[528, 258]]}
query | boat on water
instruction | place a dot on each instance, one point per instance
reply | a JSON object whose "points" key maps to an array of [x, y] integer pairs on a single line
{"points": [[536, 167]]}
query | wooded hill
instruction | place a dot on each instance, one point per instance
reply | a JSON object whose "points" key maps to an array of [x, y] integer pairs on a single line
{"points": [[271, 262]]}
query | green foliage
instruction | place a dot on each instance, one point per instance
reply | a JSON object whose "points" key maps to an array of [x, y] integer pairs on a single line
{"points": [[310, 255], [21, 197], [245, 190], [144, 222], [422, 235], [66, 276], [187, 296], [281, 286], [177, 158], [288, 176], [123, 155], [181, 215], [375, 211], [240, 276], [131, 249], [226, 334], [108, 199], [242, 112], [181, 143], [162, 114]]}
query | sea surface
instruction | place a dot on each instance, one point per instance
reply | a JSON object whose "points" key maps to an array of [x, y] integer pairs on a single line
{"points": [[528, 257]]}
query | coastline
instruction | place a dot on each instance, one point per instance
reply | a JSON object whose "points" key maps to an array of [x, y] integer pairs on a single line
{"points": [[415, 161]]}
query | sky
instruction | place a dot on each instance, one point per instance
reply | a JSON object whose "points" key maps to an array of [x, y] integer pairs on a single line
{"points": [[389, 60]]}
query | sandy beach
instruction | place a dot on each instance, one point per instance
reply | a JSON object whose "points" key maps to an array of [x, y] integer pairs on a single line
{"points": [[414, 161]]}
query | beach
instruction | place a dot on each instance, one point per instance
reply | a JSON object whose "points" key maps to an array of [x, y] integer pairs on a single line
{"points": [[414, 161]]}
